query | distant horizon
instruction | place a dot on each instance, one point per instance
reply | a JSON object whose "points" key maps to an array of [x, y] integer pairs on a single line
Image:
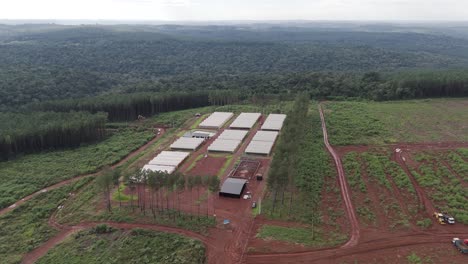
{"points": [[233, 21]]}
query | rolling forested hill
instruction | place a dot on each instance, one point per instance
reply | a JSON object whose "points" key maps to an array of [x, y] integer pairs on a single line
{"points": [[46, 62]]}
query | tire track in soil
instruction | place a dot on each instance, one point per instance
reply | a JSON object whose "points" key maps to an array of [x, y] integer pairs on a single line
{"points": [[450, 168], [372, 186], [354, 238], [400, 199], [423, 200], [79, 177]]}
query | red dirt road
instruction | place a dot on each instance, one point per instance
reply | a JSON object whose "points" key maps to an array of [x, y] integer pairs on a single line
{"points": [[229, 245], [345, 193]]}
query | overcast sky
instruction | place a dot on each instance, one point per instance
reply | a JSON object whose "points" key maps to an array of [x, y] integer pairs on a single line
{"points": [[236, 9]]}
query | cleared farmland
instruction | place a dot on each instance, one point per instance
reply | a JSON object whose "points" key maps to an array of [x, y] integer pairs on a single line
{"points": [[370, 123]]}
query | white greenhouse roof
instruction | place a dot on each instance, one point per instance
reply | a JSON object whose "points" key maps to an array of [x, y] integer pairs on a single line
{"points": [[169, 158], [245, 120], [187, 143], [265, 136], [260, 147], [159, 168], [274, 122], [224, 145], [233, 134], [216, 120]]}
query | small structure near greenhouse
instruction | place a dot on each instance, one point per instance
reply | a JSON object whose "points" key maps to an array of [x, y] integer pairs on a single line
{"points": [[216, 120], [262, 143], [185, 143], [233, 187], [245, 120], [274, 122], [200, 134]]}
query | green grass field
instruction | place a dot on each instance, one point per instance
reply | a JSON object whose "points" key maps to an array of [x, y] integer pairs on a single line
{"points": [[26, 227], [443, 187], [117, 246], [30, 173], [431, 120]]}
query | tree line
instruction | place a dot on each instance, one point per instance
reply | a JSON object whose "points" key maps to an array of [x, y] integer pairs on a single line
{"points": [[128, 107], [281, 177], [125, 99], [157, 193], [37, 131]]}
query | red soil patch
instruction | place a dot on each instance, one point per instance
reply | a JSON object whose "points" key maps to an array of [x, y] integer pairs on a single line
{"points": [[246, 169], [208, 166]]}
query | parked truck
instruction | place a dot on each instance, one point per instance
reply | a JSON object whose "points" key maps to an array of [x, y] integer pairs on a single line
{"points": [[461, 245], [444, 218]]}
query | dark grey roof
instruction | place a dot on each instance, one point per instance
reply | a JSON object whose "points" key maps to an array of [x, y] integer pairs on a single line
{"points": [[233, 186]]}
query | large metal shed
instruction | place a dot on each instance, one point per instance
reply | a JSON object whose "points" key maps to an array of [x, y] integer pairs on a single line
{"points": [[245, 120], [274, 122], [169, 158], [262, 143], [265, 136], [216, 120], [233, 187], [186, 143], [260, 147], [224, 145], [233, 134]]}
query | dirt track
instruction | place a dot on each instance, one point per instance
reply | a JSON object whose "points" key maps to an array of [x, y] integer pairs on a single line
{"points": [[345, 193], [74, 179], [229, 246]]}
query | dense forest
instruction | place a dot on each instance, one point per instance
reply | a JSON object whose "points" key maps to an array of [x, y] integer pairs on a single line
{"points": [[38, 131], [49, 62], [50, 75]]}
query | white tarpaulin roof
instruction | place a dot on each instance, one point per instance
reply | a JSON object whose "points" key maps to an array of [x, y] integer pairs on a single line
{"points": [[265, 136], [159, 168], [260, 147], [262, 143], [233, 134], [216, 120], [274, 122], [187, 143], [169, 158], [245, 120], [224, 145]]}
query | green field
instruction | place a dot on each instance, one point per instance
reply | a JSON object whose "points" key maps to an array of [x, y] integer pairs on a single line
{"points": [[26, 227], [30, 173], [313, 165], [314, 176], [117, 246], [443, 187], [368, 123]]}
